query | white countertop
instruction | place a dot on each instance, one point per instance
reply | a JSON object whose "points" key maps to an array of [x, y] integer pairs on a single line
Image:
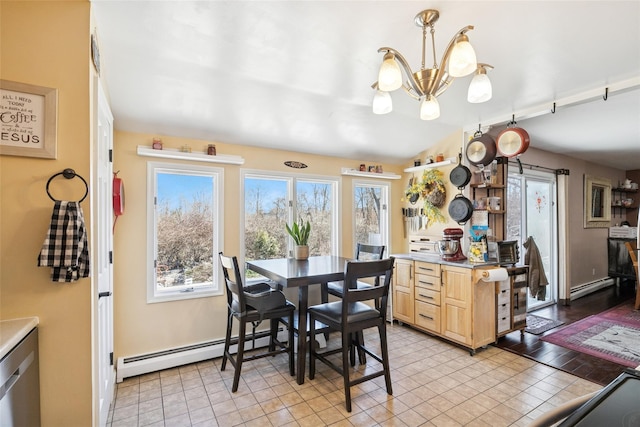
{"points": [[13, 331]]}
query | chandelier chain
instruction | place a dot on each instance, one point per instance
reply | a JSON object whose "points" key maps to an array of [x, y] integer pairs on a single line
{"points": [[424, 45], [433, 46]]}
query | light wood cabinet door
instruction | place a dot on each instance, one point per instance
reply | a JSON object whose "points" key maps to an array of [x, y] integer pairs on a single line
{"points": [[456, 304], [403, 296]]}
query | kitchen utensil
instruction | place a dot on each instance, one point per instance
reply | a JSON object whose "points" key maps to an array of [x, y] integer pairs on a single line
{"points": [[460, 176], [481, 150], [460, 209], [512, 141]]}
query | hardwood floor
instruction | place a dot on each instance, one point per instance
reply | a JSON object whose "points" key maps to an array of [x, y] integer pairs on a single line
{"points": [[588, 367]]}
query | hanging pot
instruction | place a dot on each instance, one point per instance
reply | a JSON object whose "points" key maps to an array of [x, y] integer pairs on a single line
{"points": [[481, 150], [460, 176], [512, 141], [460, 209]]}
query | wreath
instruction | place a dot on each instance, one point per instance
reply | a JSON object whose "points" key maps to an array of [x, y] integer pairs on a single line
{"points": [[432, 190], [434, 194]]}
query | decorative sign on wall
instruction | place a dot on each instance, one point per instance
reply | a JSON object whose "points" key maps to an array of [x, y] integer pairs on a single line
{"points": [[295, 165], [28, 120]]}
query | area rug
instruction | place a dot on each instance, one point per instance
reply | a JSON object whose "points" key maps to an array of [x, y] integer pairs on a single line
{"points": [[613, 335], [538, 325]]}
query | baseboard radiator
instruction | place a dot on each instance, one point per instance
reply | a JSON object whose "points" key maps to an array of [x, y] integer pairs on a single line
{"points": [[590, 287], [171, 358]]}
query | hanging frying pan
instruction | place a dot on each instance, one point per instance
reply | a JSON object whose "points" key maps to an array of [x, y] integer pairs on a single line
{"points": [[460, 209], [512, 141], [481, 150], [460, 175]]}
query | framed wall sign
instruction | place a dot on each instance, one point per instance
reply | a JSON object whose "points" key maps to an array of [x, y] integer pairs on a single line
{"points": [[28, 120], [597, 202]]}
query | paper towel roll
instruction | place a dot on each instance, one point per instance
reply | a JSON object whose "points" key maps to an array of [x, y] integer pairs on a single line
{"points": [[495, 275]]}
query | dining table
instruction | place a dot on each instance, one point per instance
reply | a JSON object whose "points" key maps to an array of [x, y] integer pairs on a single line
{"points": [[293, 273]]}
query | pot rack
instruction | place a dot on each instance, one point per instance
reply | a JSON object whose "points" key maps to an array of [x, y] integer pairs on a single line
{"points": [[601, 93]]}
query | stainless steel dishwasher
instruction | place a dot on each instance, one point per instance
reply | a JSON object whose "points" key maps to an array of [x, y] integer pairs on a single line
{"points": [[20, 384]]}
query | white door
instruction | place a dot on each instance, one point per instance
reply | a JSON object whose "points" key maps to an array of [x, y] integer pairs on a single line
{"points": [[103, 246]]}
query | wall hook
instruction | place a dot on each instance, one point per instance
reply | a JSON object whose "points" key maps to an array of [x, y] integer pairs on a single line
{"points": [[553, 110], [606, 93]]}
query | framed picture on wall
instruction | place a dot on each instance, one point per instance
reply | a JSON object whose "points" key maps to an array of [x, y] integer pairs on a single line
{"points": [[28, 120], [597, 202]]}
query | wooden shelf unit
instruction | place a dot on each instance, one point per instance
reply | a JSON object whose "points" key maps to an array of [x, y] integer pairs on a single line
{"points": [[497, 219]]}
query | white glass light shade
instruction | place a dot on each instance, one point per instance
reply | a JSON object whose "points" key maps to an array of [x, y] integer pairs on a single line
{"points": [[462, 61], [382, 102], [429, 108], [479, 89], [389, 76]]}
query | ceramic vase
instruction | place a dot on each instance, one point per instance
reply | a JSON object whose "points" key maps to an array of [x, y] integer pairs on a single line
{"points": [[301, 252]]}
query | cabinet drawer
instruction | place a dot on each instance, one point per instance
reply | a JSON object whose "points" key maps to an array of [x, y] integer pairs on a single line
{"points": [[428, 269], [424, 246], [504, 324], [427, 295], [428, 316], [503, 285], [504, 297], [427, 282], [520, 278], [504, 310]]}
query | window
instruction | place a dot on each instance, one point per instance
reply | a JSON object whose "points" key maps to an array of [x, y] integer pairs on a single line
{"points": [[184, 210], [370, 214], [270, 201]]}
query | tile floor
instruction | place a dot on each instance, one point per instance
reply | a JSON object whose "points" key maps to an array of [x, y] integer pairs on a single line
{"points": [[434, 384]]}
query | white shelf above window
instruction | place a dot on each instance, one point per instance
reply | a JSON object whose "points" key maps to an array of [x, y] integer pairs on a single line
{"points": [[381, 175], [173, 153], [445, 162]]}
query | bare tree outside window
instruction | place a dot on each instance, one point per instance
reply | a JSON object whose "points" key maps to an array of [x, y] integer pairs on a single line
{"points": [[367, 214], [268, 208], [184, 218]]}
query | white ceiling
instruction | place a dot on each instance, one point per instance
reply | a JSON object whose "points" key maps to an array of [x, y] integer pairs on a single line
{"points": [[297, 75]]}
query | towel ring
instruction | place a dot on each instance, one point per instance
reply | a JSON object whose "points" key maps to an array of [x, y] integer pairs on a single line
{"points": [[69, 174]]}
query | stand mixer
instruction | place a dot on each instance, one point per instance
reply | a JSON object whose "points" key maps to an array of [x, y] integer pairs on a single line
{"points": [[450, 246]]}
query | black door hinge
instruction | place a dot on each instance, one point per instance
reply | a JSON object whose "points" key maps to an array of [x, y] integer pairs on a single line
{"points": [[110, 257], [110, 155], [111, 359]]}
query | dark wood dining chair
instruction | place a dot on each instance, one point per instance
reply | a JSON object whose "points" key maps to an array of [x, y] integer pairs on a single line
{"points": [[364, 252], [238, 308], [351, 316], [634, 260]]}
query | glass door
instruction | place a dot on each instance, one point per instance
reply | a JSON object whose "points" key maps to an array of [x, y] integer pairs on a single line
{"points": [[531, 211]]}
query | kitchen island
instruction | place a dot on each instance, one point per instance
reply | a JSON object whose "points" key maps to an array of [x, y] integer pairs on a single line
{"points": [[447, 299]]}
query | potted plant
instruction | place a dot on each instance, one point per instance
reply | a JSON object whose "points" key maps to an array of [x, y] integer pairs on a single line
{"points": [[300, 234]]}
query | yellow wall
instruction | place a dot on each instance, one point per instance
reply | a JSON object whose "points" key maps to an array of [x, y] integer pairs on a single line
{"points": [[449, 147], [47, 44], [142, 327]]}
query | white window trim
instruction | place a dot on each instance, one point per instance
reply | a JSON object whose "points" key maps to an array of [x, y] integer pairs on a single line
{"points": [[216, 288]]}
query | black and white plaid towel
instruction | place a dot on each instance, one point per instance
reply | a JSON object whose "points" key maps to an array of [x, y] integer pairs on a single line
{"points": [[65, 248]]}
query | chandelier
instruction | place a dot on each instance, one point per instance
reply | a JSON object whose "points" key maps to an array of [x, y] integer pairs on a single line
{"points": [[427, 84]]}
